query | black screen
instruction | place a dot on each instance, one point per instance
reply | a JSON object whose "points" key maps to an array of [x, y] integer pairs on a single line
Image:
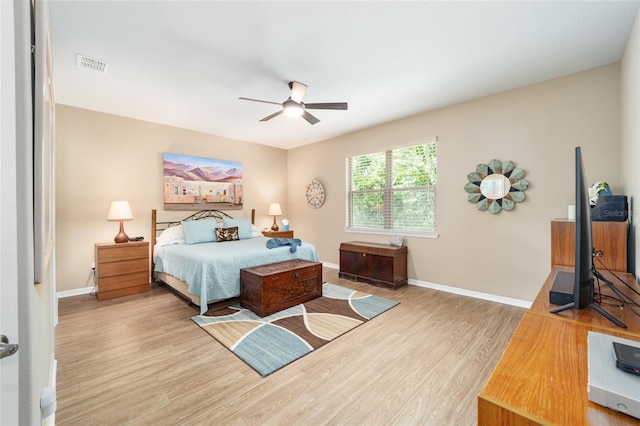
{"points": [[583, 286]]}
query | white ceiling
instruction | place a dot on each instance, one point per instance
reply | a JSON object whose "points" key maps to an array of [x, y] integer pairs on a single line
{"points": [[186, 63]]}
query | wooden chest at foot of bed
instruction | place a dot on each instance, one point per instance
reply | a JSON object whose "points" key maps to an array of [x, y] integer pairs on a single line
{"points": [[267, 289]]}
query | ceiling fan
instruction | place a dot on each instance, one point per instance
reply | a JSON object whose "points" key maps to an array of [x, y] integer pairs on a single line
{"points": [[294, 106]]}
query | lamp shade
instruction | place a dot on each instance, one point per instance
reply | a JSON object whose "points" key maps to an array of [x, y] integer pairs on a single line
{"points": [[275, 210], [120, 210]]}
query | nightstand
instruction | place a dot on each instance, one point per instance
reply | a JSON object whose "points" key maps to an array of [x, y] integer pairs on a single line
{"points": [[122, 268], [278, 234]]}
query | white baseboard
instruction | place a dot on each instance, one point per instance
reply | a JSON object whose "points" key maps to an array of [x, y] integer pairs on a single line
{"points": [[74, 292], [455, 290], [475, 294]]}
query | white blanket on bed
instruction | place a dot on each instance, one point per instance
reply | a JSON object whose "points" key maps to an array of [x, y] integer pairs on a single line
{"points": [[212, 270]]}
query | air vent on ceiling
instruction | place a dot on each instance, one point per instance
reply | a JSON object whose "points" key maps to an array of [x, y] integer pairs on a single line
{"points": [[91, 63]]}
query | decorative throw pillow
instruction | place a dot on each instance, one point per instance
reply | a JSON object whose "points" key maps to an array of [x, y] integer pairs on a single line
{"points": [[244, 226], [227, 234], [199, 231], [171, 235]]}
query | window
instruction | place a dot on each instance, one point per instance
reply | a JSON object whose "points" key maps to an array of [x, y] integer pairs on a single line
{"points": [[393, 191]]}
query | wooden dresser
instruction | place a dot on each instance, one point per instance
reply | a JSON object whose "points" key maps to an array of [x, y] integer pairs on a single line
{"points": [[122, 269], [377, 264], [608, 237]]}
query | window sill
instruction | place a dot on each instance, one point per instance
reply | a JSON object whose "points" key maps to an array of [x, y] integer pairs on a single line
{"points": [[432, 235]]}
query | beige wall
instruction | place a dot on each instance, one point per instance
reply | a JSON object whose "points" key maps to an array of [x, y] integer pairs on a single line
{"points": [[537, 127], [630, 132], [101, 158]]}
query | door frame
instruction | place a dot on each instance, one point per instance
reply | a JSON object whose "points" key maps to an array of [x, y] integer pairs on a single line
{"points": [[9, 366]]}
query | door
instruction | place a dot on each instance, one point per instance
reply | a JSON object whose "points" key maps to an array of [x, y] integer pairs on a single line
{"points": [[8, 219]]}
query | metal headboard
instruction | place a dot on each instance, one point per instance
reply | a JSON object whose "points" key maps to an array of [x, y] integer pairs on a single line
{"points": [[202, 214], [157, 227]]}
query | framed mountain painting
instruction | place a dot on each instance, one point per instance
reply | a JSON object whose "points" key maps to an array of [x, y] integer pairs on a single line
{"points": [[198, 183]]}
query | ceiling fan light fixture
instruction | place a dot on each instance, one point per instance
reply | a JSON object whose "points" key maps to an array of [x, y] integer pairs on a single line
{"points": [[292, 108]]}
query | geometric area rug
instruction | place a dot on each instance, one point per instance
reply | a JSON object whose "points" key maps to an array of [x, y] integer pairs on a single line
{"points": [[268, 344]]}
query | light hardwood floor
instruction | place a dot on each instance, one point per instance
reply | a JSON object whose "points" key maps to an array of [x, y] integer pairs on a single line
{"points": [[140, 360]]}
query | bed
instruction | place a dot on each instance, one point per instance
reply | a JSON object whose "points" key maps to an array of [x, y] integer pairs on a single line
{"points": [[200, 258]]}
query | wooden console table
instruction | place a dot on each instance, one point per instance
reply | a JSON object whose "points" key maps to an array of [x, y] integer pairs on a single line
{"points": [[543, 373], [378, 264]]}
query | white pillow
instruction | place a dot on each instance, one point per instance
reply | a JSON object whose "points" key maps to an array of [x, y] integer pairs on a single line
{"points": [[255, 232], [171, 235]]}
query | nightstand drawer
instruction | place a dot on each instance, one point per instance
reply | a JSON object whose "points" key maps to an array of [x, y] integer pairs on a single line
{"points": [[124, 281], [125, 251], [122, 268]]}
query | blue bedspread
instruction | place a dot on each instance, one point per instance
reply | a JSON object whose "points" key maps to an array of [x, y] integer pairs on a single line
{"points": [[212, 270]]}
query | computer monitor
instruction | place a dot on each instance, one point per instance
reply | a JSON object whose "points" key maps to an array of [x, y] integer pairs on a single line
{"points": [[583, 287]]}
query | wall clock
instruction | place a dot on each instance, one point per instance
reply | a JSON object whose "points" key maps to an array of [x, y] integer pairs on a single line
{"points": [[315, 194]]}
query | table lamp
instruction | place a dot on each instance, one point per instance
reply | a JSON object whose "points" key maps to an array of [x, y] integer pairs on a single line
{"points": [[275, 210], [121, 211]]}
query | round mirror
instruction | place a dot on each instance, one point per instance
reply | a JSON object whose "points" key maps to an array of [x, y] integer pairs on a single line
{"points": [[496, 186]]}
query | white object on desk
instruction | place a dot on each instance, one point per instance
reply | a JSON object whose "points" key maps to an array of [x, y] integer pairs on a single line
{"points": [[608, 385]]}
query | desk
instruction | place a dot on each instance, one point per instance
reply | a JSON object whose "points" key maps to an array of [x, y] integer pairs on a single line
{"points": [[543, 373], [541, 305]]}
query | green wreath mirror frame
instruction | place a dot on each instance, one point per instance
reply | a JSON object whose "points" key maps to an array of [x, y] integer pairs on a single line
{"points": [[496, 186]]}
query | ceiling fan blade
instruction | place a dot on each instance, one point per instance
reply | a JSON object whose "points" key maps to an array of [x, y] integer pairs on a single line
{"points": [[259, 100], [310, 118], [297, 91], [327, 105], [275, 114]]}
